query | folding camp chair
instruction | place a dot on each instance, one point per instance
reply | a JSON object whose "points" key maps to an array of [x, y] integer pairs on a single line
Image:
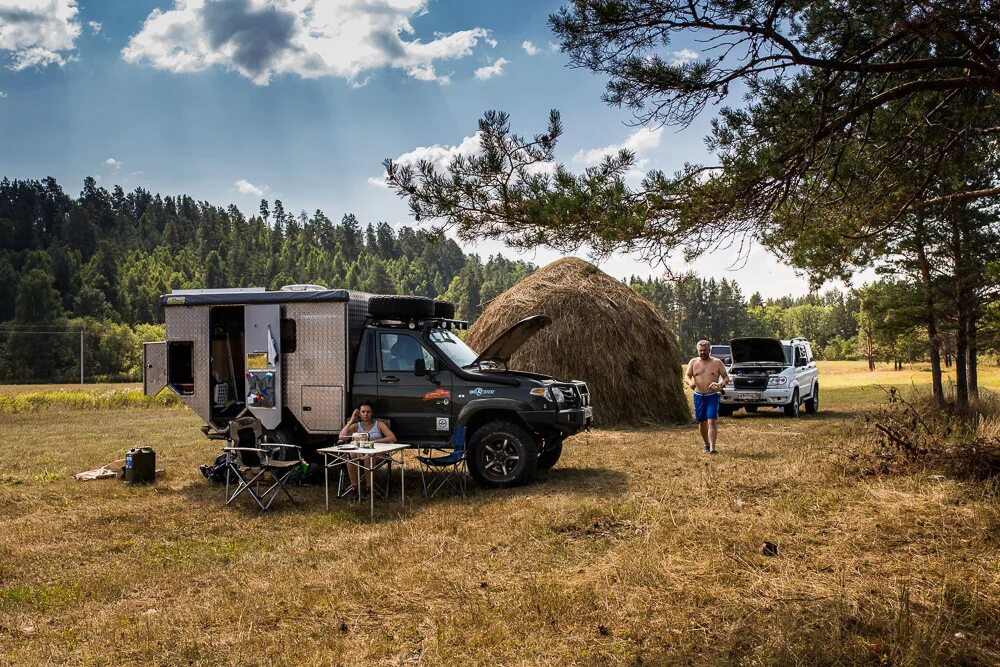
{"points": [[438, 472], [252, 464], [381, 490]]}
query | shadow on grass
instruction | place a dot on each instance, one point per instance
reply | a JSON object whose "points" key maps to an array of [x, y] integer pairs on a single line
{"points": [[749, 456], [823, 415], [311, 498]]}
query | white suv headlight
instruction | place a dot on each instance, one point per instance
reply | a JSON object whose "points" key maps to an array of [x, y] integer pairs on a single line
{"points": [[776, 381]]}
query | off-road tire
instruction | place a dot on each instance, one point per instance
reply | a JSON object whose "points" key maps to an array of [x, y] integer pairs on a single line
{"points": [[751, 409], [444, 310], [550, 454], [493, 445], [725, 411], [812, 403], [792, 409], [393, 306]]}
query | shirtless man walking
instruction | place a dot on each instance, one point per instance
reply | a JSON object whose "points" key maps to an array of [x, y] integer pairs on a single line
{"points": [[707, 376]]}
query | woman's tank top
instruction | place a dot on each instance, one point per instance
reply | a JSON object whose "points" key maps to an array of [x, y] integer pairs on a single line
{"points": [[373, 432]]}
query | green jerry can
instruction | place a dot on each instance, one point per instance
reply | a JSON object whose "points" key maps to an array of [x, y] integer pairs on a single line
{"points": [[140, 466]]}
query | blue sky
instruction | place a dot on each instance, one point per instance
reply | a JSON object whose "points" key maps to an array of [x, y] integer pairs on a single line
{"points": [[301, 100]]}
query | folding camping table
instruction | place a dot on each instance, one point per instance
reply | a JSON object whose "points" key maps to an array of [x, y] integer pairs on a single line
{"points": [[365, 459]]}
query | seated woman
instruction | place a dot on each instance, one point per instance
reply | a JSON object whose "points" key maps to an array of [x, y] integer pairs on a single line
{"points": [[363, 420]]}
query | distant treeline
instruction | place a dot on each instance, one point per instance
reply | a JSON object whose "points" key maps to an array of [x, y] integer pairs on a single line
{"points": [[99, 263]]}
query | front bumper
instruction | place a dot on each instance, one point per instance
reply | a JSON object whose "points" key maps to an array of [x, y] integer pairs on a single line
{"points": [[568, 421], [770, 396]]}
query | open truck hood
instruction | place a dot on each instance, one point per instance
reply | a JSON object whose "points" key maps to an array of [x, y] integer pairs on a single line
{"points": [[768, 350], [506, 344]]}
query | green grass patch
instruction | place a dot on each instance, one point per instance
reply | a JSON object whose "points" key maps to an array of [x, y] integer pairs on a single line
{"points": [[40, 597], [116, 399]]}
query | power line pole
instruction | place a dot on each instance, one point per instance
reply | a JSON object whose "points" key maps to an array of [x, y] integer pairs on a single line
{"points": [[81, 356]]}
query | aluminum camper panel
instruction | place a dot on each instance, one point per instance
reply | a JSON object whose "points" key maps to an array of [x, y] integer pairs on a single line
{"points": [[320, 360], [154, 367], [191, 323]]}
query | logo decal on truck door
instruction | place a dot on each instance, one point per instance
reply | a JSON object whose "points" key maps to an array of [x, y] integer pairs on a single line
{"points": [[442, 423], [437, 394]]}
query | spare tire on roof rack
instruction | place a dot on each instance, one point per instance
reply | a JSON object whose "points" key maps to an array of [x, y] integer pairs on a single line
{"points": [[444, 309], [396, 307]]}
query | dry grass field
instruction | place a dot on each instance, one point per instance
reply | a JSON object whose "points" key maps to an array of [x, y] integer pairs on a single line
{"points": [[636, 549]]}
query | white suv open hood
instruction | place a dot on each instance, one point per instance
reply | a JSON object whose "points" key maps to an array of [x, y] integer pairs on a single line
{"points": [[768, 350]]}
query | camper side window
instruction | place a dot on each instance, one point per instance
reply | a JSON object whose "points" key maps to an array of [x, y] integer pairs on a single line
{"points": [[180, 366]]}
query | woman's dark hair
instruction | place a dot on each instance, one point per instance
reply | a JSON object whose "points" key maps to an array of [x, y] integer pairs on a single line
{"points": [[368, 403]]}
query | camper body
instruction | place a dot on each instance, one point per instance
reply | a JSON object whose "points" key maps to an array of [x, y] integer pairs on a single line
{"points": [[300, 360]]}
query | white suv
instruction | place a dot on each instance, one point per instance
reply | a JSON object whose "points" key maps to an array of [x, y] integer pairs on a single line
{"points": [[772, 372]]}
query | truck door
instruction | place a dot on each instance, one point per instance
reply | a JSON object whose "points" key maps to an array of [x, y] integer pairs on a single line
{"points": [[262, 341], [418, 407], [364, 382]]}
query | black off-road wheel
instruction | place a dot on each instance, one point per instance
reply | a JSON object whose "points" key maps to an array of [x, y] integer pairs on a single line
{"points": [[392, 306], [502, 454], [444, 310], [725, 411], [792, 409], [812, 403], [550, 454]]}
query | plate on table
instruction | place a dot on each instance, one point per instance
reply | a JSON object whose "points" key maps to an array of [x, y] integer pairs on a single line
{"points": [[347, 447]]}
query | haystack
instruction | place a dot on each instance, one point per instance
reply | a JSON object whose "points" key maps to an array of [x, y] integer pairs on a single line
{"points": [[602, 332]]}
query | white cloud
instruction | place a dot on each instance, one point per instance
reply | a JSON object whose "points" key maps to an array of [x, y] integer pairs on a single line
{"points": [[490, 71], [530, 48], [437, 154], [553, 47], [492, 43], [639, 142], [245, 187], [2, 94], [38, 32], [113, 163], [95, 26], [682, 57], [262, 39]]}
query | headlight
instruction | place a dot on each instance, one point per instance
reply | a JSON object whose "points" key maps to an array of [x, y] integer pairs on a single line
{"points": [[557, 394], [776, 381], [538, 391]]}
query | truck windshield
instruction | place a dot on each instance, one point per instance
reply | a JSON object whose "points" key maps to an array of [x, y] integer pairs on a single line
{"points": [[453, 347]]}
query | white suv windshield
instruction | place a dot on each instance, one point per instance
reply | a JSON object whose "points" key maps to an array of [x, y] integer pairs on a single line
{"points": [[453, 347]]}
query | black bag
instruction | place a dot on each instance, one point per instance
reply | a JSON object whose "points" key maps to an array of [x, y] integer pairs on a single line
{"points": [[216, 472]]}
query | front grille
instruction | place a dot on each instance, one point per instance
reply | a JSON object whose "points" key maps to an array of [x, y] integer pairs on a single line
{"points": [[756, 383]]}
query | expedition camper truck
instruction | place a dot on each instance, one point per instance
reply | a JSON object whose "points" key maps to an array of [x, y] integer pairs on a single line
{"points": [[298, 360]]}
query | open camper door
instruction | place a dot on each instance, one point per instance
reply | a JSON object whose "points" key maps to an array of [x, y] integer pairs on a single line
{"points": [[262, 336], [154, 367]]}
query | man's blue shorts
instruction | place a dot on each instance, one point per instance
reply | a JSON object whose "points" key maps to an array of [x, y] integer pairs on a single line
{"points": [[706, 406]]}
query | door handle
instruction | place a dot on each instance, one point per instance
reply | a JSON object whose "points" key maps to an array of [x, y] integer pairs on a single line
{"points": [[388, 379]]}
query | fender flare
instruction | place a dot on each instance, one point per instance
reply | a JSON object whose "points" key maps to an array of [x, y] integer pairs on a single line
{"points": [[470, 409]]}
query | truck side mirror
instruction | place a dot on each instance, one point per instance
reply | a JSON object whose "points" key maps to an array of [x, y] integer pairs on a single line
{"points": [[420, 367]]}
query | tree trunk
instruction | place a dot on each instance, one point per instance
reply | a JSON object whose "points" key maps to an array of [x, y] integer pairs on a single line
{"points": [[931, 316], [962, 313], [973, 354]]}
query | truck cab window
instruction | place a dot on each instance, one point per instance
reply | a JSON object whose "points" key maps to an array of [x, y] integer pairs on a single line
{"points": [[400, 351]]}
